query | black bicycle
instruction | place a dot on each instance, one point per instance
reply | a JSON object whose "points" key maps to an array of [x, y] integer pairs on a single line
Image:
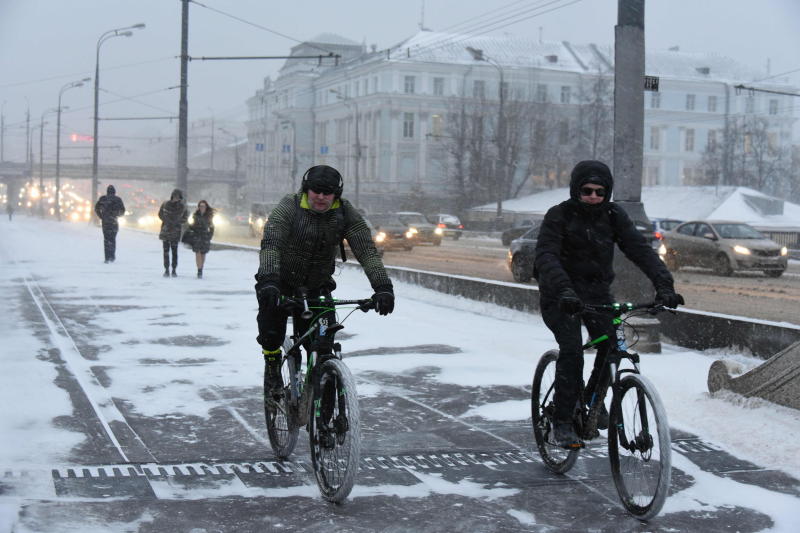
{"points": [[638, 434], [322, 396]]}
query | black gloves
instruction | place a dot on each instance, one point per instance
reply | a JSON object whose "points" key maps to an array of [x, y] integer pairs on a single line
{"points": [[669, 298], [569, 303], [384, 300], [268, 294]]}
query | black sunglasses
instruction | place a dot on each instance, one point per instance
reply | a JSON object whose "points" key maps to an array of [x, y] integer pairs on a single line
{"points": [[587, 191], [312, 189]]}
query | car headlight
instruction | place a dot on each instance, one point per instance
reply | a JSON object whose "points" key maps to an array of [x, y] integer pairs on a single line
{"points": [[190, 220], [413, 231], [784, 251], [259, 221], [219, 220], [409, 234], [380, 236], [438, 231], [739, 249], [662, 250]]}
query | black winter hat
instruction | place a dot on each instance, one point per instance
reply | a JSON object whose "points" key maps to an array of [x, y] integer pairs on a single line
{"points": [[111, 190], [324, 179], [590, 171]]}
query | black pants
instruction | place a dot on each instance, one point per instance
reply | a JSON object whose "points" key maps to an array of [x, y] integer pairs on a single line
{"points": [[272, 323], [174, 246], [569, 366], [110, 243]]}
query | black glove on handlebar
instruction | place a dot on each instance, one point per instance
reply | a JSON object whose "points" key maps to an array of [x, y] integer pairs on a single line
{"points": [[669, 298], [384, 300], [268, 294], [569, 303]]}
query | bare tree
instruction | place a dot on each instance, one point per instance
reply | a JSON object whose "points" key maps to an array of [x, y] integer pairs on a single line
{"points": [[595, 131]]}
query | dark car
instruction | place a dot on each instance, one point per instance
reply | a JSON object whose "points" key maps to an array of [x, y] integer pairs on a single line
{"points": [[259, 212], [724, 246], [423, 230], [391, 232], [521, 254], [517, 231], [377, 238], [451, 225]]}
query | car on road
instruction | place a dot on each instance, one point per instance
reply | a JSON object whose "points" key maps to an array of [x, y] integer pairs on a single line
{"points": [[451, 225], [259, 213], [521, 253], [391, 233], [423, 230], [512, 233], [661, 225], [724, 246]]}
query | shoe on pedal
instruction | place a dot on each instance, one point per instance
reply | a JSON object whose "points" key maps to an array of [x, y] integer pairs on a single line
{"points": [[565, 436], [273, 381]]}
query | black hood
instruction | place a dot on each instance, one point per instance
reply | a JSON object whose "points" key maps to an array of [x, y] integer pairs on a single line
{"points": [[591, 172], [178, 193], [111, 190]]}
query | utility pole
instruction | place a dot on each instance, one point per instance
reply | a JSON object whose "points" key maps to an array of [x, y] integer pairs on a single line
{"points": [[183, 105]]}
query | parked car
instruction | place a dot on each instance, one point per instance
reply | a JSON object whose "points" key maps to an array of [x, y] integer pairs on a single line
{"points": [[424, 231], [259, 212], [723, 245], [521, 254], [516, 231], [450, 224], [660, 226], [391, 232]]}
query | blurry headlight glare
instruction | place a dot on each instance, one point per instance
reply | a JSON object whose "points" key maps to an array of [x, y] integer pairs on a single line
{"points": [[413, 230], [409, 234], [739, 249], [380, 237], [784, 251], [438, 231], [662, 250]]}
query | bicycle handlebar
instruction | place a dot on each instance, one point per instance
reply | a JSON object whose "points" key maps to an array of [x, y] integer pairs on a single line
{"points": [[288, 302], [620, 308]]}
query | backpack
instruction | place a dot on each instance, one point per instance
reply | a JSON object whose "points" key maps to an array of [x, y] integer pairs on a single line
{"points": [[340, 218]]}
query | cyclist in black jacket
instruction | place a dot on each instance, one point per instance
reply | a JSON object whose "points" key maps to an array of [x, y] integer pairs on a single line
{"points": [[574, 264]]}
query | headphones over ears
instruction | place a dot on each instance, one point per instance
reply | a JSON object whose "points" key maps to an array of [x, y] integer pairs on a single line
{"points": [[320, 173]]}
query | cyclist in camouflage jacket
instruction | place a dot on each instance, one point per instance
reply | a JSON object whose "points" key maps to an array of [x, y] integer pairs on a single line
{"points": [[299, 247]]}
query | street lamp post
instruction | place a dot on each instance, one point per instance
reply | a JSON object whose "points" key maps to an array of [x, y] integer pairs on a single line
{"points": [[357, 155], [478, 55], [119, 32], [41, 158], [68, 86]]}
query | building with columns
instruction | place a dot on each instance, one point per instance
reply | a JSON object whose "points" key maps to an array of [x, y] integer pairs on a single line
{"points": [[381, 117]]}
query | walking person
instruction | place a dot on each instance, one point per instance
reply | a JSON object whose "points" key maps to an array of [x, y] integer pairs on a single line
{"points": [[108, 209], [202, 228], [173, 215], [10, 209], [574, 265]]}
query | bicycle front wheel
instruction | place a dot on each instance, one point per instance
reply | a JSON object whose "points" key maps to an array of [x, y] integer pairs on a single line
{"points": [[282, 427], [556, 458], [639, 447], [335, 431]]}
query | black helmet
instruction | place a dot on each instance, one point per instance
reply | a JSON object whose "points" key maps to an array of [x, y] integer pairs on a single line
{"points": [[324, 179]]}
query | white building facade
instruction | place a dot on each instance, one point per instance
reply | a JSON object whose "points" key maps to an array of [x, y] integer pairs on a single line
{"points": [[380, 116]]}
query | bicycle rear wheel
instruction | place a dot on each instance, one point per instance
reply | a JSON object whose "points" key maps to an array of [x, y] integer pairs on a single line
{"points": [[639, 447], [556, 458], [335, 431], [282, 426]]}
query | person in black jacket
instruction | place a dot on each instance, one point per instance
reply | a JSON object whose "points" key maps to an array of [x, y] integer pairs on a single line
{"points": [[298, 249], [574, 264], [202, 228], [108, 209], [173, 215]]}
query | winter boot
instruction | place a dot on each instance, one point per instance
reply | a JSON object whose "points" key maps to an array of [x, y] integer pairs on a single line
{"points": [[199, 273], [273, 382], [174, 274], [565, 436], [166, 272]]}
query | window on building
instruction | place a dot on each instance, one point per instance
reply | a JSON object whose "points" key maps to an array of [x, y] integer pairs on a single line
{"points": [[408, 125], [655, 100], [655, 138], [504, 90], [538, 132], [541, 92], [436, 125], [375, 84], [773, 107], [563, 132], [341, 130], [690, 102], [749, 104], [712, 104], [479, 89], [747, 143], [688, 140], [566, 93], [712, 140], [323, 133], [408, 84], [365, 86], [651, 175], [438, 86]]}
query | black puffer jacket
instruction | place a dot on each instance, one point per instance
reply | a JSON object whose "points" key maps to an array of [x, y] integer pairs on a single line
{"points": [[299, 246], [109, 208], [202, 227], [173, 214], [575, 248]]}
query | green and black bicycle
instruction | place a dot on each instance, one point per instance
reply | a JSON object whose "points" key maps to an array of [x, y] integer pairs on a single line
{"points": [[638, 434], [320, 396]]}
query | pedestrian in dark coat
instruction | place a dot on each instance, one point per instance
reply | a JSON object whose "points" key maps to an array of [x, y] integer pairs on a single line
{"points": [[202, 228], [173, 215], [575, 264], [108, 209]]}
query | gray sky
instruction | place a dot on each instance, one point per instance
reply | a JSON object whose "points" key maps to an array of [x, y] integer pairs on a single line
{"points": [[45, 44]]}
